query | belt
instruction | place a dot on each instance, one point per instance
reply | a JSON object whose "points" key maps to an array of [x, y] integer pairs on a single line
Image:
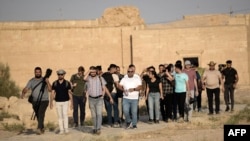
{"points": [[95, 96]]}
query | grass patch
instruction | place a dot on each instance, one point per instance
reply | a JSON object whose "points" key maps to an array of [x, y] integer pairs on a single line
{"points": [[243, 115], [7, 115], [13, 127]]}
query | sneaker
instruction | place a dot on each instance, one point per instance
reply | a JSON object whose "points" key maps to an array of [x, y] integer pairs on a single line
{"points": [[82, 124], [67, 132], [150, 121], [98, 131], [116, 125], [181, 120], [61, 133], [227, 109], [134, 127], [42, 131], [75, 125], [157, 121], [38, 132], [129, 125], [94, 131]]}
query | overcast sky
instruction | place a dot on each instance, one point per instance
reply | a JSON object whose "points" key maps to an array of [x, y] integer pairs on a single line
{"points": [[152, 11]]}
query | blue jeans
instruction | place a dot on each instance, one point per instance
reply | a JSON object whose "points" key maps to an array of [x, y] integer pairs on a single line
{"points": [[130, 105], [95, 106], [110, 107], [154, 105]]}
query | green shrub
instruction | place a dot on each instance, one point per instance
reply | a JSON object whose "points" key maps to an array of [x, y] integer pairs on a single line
{"points": [[8, 87], [13, 127], [243, 115], [7, 115]]}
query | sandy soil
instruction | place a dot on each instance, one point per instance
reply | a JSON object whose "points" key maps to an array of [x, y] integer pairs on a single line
{"points": [[201, 128]]}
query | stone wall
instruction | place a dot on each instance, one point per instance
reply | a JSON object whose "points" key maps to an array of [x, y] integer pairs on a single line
{"points": [[68, 44]]}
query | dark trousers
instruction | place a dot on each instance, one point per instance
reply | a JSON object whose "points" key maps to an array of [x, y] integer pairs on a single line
{"points": [[229, 95], [197, 102], [40, 109], [79, 102], [169, 106], [210, 95], [163, 108], [180, 101], [112, 107]]}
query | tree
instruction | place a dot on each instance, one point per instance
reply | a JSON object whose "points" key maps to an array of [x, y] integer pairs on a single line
{"points": [[8, 87]]}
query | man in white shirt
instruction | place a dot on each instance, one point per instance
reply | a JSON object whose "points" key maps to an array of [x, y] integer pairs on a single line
{"points": [[131, 86]]}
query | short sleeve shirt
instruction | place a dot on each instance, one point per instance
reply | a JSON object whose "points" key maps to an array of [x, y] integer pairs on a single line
{"points": [[229, 74], [61, 90], [180, 82], [32, 83], [132, 82], [95, 85]]}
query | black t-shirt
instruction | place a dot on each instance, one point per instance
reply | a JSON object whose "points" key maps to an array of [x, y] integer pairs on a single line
{"points": [[61, 90], [154, 86], [229, 74]]}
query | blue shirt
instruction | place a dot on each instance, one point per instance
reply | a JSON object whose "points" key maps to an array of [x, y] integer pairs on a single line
{"points": [[180, 82]]}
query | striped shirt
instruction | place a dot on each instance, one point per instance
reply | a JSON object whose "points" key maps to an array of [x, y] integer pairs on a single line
{"points": [[94, 86]]}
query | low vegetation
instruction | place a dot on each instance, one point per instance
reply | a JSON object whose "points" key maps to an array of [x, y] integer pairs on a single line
{"points": [[8, 87]]}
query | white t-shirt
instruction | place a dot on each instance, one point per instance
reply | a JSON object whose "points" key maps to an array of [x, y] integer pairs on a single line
{"points": [[132, 82]]}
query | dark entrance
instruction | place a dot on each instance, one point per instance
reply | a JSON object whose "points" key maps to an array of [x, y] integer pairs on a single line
{"points": [[192, 60]]}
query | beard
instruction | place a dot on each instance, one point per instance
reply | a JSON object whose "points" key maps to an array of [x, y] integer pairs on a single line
{"points": [[38, 76]]}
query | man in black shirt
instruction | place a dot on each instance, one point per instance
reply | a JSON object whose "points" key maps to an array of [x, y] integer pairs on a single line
{"points": [[61, 93], [231, 79]]}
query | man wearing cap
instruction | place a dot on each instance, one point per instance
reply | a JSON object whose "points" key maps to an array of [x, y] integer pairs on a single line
{"points": [[231, 79], [61, 93], [211, 80], [79, 95], [192, 83]]}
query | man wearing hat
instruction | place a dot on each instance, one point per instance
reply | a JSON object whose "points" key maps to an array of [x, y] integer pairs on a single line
{"points": [[231, 79], [211, 80], [61, 93]]}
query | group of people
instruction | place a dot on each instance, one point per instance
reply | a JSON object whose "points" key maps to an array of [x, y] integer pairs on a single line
{"points": [[173, 93]]}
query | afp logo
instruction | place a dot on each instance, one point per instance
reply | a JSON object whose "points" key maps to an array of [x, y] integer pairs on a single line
{"points": [[241, 132]]}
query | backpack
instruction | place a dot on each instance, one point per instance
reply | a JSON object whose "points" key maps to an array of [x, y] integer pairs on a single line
{"points": [[109, 80]]}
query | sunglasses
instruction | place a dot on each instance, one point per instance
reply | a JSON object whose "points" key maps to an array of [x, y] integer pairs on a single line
{"points": [[130, 71], [59, 74]]}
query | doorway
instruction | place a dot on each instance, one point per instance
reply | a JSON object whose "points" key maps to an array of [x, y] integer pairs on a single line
{"points": [[193, 60]]}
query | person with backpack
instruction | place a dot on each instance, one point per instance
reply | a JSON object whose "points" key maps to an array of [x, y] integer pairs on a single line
{"points": [[79, 96], [112, 80], [61, 93], [35, 84]]}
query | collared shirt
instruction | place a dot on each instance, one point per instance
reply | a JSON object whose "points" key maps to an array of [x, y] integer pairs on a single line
{"points": [[95, 85], [167, 87], [229, 74]]}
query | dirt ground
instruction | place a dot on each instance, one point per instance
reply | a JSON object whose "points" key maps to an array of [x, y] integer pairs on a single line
{"points": [[201, 128]]}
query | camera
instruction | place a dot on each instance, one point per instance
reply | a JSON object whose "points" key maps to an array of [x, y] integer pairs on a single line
{"points": [[48, 73]]}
